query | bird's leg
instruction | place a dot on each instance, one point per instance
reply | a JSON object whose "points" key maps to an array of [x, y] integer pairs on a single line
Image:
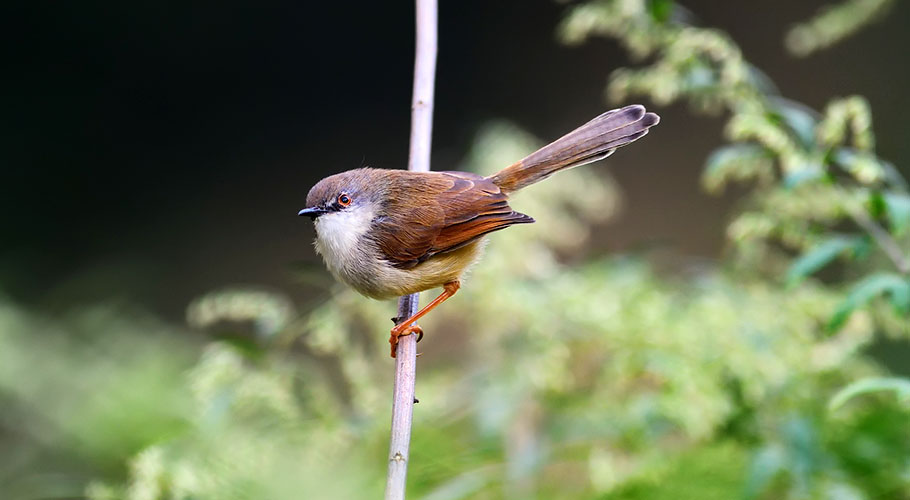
{"points": [[407, 327]]}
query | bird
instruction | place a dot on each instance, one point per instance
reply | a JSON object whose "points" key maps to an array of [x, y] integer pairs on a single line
{"points": [[388, 232]]}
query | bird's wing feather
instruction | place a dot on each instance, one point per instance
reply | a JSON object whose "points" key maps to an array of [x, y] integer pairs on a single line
{"points": [[455, 209]]}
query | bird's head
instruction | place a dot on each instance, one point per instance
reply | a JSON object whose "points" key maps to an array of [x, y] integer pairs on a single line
{"points": [[344, 193]]}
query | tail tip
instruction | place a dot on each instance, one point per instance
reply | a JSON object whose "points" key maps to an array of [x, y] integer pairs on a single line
{"points": [[638, 113], [650, 119]]}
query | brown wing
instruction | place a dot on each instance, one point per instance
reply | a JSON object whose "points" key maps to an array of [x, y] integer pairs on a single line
{"points": [[452, 210]]}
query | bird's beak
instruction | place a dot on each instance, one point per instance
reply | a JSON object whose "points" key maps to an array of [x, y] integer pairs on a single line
{"points": [[312, 212]]}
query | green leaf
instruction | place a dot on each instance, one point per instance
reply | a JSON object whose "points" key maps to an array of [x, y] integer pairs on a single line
{"points": [[699, 77], [820, 256], [900, 386], [800, 119], [869, 288], [897, 206], [876, 204], [800, 176], [862, 165], [759, 79], [900, 298], [734, 152], [731, 153], [660, 10]]}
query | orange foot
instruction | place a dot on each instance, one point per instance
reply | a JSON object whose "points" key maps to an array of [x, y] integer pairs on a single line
{"points": [[403, 330]]}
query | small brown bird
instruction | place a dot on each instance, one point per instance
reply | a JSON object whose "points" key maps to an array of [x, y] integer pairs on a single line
{"points": [[388, 233]]}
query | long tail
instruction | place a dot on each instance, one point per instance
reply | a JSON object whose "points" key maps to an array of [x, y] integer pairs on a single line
{"points": [[592, 141]]}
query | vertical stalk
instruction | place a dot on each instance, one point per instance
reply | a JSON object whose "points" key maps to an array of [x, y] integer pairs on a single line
{"points": [[418, 160]]}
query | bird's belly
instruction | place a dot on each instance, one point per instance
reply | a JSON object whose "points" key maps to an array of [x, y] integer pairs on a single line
{"points": [[375, 277]]}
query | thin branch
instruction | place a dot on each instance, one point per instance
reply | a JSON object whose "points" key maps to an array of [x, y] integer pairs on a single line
{"points": [[424, 78], [883, 239], [419, 160]]}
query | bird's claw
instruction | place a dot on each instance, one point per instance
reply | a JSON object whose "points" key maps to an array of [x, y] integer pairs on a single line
{"points": [[403, 331]]}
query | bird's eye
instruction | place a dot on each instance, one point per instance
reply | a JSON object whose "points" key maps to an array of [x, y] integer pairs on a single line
{"points": [[344, 200]]}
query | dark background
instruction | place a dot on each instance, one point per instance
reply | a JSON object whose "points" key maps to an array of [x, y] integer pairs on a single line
{"points": [[153, 151]]}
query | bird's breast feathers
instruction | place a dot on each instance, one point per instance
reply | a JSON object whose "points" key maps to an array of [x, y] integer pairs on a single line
{"points": [[353, 257]]}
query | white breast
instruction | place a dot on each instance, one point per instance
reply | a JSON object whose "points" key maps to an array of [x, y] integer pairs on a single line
{"points": [[339, 232], [339, 242], [355, 260]]}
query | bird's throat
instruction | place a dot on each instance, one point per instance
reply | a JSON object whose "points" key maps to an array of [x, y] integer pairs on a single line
{"points": [[342, 242]]}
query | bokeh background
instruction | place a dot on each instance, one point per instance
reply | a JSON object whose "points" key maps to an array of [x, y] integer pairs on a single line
{"points": [[166, 330]]}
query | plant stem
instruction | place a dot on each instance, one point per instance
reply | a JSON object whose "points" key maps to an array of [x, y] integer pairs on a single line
{"points": [[402, 405], [883, 239], [419, 160]]}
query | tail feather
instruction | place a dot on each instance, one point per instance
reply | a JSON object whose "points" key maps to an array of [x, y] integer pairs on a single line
{"points": [[593, 141]]}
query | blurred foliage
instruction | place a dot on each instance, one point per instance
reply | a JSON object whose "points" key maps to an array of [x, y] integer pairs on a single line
{"points": [[81, 392], [551, 376], [901, 387], [818, 188], [834, 24], [545, 378]]}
